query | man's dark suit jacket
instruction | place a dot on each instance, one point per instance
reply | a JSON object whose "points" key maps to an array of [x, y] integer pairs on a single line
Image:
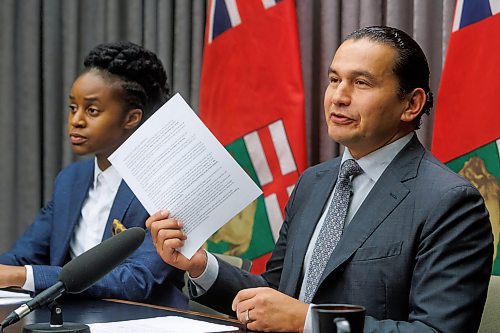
{"points": [[417, 255], [45, 244]]}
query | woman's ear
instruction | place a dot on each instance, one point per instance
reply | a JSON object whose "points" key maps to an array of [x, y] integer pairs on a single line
{"points": [[416, 102], [133, 119]]}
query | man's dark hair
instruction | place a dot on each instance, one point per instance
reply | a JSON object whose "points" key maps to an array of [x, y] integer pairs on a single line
{"points": [[143, 78], [410, 66]]}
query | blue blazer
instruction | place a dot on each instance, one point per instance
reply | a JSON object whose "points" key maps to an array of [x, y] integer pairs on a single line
{"points": [[44, 245], [417, 254]]}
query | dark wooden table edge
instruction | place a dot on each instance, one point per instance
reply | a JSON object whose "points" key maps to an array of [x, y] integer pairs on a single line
{"points": [[160, 307]]}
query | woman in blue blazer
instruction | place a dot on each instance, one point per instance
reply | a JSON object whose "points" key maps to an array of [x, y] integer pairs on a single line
{"points": [[122, 85]]}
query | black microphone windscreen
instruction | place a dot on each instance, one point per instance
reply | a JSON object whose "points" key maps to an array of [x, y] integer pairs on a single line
{"points": [[84, 270]]}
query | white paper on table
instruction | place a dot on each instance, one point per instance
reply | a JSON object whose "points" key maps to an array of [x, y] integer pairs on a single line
{"points": [[174, 162], [9, 297], [170, 324]]}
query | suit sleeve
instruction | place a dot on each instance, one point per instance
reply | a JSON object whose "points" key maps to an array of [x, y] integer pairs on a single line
{"points": [[452, 268], [33, 246], [134, 279], [231, 280]]}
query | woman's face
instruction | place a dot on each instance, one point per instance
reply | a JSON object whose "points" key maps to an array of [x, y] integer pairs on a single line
{"points": [[97, 120]]}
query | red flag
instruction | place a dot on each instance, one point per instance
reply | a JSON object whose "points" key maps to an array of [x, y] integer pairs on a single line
{"points": [[467, 122], [252, 99]]}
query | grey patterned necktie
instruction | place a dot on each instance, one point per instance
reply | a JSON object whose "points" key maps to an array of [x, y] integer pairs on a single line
{"points": [[332, 228]]}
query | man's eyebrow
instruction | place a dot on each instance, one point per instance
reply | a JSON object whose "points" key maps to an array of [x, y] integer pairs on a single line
{"points": [[355, 73], [365, 74]]}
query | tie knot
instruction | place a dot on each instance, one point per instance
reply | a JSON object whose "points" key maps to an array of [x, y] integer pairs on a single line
{"points": [[350, 168]]}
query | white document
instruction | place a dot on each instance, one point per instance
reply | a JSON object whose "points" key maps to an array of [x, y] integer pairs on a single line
{"points": [[9, 297], [171, 324], [174, 162]]}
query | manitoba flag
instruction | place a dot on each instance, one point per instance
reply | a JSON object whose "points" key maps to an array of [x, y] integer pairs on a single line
{"points": [[467, 122], [252, 99]]}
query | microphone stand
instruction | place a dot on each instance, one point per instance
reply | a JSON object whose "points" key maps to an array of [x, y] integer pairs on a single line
{"points": [[56, 324]]}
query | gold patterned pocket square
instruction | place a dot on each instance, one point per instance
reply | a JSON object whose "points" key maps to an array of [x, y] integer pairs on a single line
{"points": [[117, 227]]}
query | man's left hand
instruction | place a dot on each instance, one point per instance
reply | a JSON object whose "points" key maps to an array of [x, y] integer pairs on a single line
{"points": [[269, 310]]}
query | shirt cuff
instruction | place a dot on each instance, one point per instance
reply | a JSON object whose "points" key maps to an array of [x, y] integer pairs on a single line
{"points": [[308, 323], [208, 277], [30, 279]]}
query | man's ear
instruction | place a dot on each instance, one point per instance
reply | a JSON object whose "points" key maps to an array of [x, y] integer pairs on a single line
{"points": [[416, 101], [133, 119]]}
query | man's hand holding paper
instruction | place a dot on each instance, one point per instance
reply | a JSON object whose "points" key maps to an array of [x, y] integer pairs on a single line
{"points": [[168, 237]]}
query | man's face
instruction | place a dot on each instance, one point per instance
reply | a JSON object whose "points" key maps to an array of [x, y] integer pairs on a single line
{"points": [[97, 122], [362, 109]]}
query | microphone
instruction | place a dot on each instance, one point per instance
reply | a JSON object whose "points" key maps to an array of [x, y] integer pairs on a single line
{"points": [[83, 271]]}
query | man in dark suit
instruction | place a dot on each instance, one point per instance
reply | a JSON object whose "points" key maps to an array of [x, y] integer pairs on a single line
{"points": [[415, 246]]}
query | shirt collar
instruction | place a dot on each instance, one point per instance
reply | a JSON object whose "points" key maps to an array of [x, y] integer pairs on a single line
{"points": [[110, 176], [375, 163]]}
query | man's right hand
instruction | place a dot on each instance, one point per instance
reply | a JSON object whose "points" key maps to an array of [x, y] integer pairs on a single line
{"points": [[168, 236]]}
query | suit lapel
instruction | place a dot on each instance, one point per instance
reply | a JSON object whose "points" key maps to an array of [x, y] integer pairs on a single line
{"points": [[77, 189], [323, 184], [385, 196], [122, 201]]}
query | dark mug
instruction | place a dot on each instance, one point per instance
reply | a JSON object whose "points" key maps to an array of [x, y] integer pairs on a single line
{"points": [[339, 318]]}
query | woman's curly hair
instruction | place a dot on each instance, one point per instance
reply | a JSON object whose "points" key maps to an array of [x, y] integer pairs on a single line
{"points": [[143, 77]]}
